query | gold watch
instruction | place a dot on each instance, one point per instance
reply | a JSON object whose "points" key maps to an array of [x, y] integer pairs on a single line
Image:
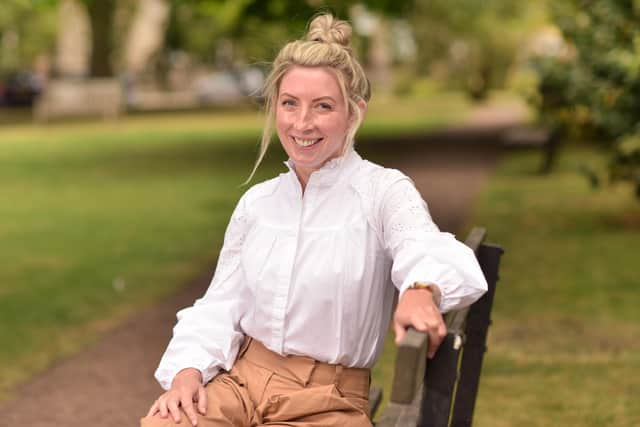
{"points": [[433, 288]]}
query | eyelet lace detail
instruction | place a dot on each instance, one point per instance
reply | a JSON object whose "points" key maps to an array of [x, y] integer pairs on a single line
{"points": [[394, 207], [405, 214], [234, 238]]}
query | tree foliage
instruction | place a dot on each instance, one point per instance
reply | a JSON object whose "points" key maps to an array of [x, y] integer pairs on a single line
{"points": [[594, 89], [256, 27], [475, 41], [27, 29]]}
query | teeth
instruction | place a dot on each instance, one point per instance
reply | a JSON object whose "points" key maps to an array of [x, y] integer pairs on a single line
{"points": [[306, 142]]}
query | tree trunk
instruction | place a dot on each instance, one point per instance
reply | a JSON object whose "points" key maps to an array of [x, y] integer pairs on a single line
{"points": [[101, 14]]}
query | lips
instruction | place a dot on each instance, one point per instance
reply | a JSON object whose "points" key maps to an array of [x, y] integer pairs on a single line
{"points": [[306, 142]]}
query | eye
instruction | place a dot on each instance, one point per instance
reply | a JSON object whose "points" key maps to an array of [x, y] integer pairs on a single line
{"points": [[325, 106], [288, 103]]}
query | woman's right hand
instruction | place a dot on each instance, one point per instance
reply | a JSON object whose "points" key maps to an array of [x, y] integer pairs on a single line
{"points": [[186, 389]]}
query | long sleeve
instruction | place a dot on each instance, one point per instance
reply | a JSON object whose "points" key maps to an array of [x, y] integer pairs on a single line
{"points": [[420, 252], [207, 335]]}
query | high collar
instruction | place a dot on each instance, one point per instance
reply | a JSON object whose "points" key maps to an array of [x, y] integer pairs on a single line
{"points": [[329, 173]]}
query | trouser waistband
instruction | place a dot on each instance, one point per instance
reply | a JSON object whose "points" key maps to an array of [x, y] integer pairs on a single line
{"points": [[306, 370]]}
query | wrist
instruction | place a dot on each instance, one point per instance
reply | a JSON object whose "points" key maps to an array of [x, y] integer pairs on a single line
{"points": [[431, 288], [191, 373]]}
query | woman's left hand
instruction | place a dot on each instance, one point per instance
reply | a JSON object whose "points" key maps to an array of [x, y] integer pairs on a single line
{"points": [[417, 309]]}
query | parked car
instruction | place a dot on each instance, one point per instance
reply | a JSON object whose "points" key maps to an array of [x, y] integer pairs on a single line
{"points": [[229, 86], [20, 89]]}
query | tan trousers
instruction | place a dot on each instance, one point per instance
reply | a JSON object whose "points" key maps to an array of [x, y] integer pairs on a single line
{"points": [[266, 389]]}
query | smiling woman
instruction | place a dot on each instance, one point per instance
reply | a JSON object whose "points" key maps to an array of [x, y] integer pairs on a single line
{"points": [[325, 62], [301, 300], [312, 118]]}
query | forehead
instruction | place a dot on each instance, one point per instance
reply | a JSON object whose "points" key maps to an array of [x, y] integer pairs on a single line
{"points": [[311, 82]]}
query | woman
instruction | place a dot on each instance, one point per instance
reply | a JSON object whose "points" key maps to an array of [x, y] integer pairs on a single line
{"points": [[300, 302]]}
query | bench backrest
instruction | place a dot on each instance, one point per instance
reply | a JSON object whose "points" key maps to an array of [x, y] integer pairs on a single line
{"points": [[443, 391]]}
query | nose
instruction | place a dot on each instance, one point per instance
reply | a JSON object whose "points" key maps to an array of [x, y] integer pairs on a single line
{"points": [[304, 120]]}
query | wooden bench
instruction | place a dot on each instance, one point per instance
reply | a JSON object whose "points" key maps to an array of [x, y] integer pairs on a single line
{"points": [[443, 391], [546, 139], [74, 98]]}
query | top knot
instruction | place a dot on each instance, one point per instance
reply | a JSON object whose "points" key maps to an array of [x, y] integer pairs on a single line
{"points": [[328, 29]]}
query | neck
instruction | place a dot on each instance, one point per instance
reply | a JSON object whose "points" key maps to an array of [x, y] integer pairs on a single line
{"points": [[304, 174], [303, 178]]}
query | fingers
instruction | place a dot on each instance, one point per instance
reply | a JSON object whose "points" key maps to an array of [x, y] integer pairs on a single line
{"points": [[437, 331], [419, 311], [425, 321], [169, 405], [400, 331], [436, 336], [162, 407], [202, 400], [172, 406], [153, 409], [187, 405]]}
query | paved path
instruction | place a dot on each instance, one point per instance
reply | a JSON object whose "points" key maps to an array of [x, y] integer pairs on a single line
{"points": [[111, 383]]}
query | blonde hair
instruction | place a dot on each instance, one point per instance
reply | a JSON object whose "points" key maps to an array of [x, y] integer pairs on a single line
{"points": [[327, 44]]}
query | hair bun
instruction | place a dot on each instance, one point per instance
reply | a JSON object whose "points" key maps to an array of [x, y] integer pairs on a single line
{"points": [[328, 29]]}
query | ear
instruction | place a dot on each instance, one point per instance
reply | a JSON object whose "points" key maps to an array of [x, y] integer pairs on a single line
{"points": [[362, 105]]}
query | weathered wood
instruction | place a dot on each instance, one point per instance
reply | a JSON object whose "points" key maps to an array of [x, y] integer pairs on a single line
{"points": [[71, 98], [450, 398], [441, 379], [410, 359], [475, 238], [375, 398], [477, 326], [401, 414], [410, 364], [447, 392], [456, 319]]}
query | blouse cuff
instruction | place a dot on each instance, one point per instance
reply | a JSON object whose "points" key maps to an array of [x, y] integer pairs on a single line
{"points": [[197, 358], [442, 276]]}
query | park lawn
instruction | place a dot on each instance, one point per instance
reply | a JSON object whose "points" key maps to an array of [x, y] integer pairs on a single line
{"points": [[100, 219], [563, 346]]}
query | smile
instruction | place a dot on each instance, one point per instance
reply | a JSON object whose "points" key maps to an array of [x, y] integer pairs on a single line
{"points": [[306, 142]]}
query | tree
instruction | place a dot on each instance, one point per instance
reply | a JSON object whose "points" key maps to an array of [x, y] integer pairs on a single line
{"points": [[101, 15], [256, 28], [474, 41], [27, 29], [594, 91], [33, 24]]}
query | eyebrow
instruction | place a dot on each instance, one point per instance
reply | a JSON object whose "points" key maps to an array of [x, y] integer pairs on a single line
{"points": [[313, 100]]}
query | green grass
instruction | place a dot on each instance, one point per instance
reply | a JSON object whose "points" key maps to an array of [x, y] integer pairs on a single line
{"points": [[563, 346], [99, 219]]}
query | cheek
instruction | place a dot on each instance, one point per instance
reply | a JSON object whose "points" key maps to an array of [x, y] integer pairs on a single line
{"points": [[281, 126], [282, 116], [279, 120], [338, 127]]}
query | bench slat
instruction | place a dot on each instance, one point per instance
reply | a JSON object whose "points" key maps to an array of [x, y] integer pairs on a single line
{"points": [[476, 330], [476, 238], [375, 398], [410, 366], [400, 414], [443, 373], [452, 377]]}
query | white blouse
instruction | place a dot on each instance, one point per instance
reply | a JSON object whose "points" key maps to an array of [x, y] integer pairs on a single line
{"points": [[310, 274]]}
